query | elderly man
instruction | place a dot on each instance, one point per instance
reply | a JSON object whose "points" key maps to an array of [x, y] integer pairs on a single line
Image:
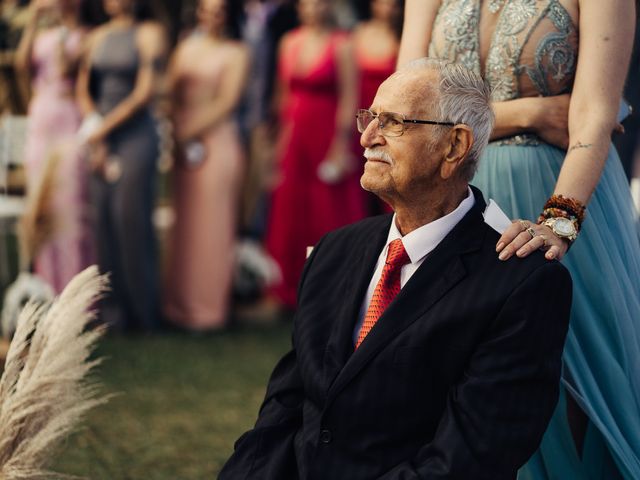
{"points": [[417, 353]]}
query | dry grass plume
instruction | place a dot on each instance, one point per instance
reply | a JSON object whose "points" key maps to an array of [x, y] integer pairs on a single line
{"points": [[45, 390]]}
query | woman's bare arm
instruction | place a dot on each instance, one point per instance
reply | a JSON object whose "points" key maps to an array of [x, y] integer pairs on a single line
{"points": [[83, 96], [605, 48], [280, 93], [605, 30], [339, 155], [172, 78], [22, 59], [419, 16], [547, 117], [347, 90]]}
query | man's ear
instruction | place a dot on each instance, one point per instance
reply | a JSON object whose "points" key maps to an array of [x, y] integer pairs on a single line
{"points": [[459, 142]]}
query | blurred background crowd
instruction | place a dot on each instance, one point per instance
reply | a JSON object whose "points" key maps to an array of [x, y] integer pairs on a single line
{"points": [[193, 149]]}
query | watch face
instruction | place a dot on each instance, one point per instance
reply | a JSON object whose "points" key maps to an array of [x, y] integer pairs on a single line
{"points": [[564, 227]]}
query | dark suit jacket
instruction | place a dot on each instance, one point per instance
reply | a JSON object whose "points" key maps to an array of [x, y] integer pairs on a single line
{"points": [[457, 380]]}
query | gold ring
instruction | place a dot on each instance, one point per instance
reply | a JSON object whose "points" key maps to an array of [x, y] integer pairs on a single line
{"points": [[531, 232], [524, 225]]}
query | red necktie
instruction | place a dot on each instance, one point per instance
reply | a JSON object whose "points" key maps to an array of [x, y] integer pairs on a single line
{"points": [[387, 288]]}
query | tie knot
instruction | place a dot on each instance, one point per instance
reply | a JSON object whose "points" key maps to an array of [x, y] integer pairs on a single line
{"points": [[397, 255]]}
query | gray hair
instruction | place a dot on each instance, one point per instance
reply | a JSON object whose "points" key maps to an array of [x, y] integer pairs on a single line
{"points": [[463, 98]]}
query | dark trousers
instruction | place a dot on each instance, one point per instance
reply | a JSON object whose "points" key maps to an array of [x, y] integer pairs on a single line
{"points": [[125, 239]]}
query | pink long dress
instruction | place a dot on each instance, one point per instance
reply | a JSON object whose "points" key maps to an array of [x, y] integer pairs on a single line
{"points": [[53, 121], [206, 197]]}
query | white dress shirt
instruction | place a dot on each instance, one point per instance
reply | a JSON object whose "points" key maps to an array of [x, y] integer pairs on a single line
{"points": [[417, 244]]}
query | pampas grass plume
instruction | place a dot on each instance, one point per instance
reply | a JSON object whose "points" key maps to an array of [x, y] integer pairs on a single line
{"points": [[44, 390]]}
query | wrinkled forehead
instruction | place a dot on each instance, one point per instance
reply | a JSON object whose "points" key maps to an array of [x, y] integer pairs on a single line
{"points": [[408, 92]]}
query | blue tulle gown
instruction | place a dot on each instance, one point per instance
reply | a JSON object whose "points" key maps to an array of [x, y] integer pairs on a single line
{"points": [[533, 51]]}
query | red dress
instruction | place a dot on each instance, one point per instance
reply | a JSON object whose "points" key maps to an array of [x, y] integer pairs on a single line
{"points": [[304, 208], [372, 72]]}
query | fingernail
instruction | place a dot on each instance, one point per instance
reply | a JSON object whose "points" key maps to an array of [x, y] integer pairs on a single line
{"points": [[521, 252], [551, 255], [504, 255], [500, 246]]}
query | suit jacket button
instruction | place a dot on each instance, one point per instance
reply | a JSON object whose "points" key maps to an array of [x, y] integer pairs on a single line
{"points": [[325, 436]]}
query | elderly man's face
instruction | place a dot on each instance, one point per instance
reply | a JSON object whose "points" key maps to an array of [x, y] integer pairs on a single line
{"points": [[405, 167]]}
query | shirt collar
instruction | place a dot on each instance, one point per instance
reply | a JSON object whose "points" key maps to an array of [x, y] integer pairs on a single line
{"points": [[423, 240]]}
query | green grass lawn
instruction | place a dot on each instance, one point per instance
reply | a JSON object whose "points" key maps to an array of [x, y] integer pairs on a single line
{"points": [[182, 402]]}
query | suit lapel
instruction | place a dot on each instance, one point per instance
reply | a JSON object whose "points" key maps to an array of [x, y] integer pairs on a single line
{"points": [[340, 344], [438, 274]]}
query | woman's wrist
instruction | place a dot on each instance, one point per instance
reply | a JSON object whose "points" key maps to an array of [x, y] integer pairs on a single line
{"points": [[564, 216], [90, 127], [514, 117], [530, 114]]}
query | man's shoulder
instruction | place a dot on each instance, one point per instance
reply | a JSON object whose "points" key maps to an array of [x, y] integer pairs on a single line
{"points": [[515, 267]]}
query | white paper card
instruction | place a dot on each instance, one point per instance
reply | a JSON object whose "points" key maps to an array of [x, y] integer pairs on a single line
{"points": [[495, 217]]}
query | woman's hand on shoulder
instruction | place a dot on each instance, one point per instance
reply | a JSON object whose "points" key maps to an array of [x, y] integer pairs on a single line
{"points": [[523, 237]]}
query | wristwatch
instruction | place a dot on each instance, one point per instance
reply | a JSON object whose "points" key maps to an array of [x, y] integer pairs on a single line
{"points": [[562, 227]]}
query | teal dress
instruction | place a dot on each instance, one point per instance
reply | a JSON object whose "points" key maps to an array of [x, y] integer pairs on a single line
{"points": [[533, 51]]}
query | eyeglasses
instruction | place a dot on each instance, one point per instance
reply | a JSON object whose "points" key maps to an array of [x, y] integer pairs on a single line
{"points": [[390, 124]]}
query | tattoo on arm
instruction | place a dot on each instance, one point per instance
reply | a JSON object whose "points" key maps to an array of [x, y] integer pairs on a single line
{"points": [[580, 145]]}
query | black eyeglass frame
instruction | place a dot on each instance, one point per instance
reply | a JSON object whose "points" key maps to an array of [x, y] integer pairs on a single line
{"points": [[362, 111]]}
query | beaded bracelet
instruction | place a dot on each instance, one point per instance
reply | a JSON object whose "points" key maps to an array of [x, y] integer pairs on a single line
{"points": [[570, 205], [559, 206]]}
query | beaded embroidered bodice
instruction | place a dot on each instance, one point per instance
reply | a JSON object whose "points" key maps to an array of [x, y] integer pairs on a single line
{"points": [[532, 50]]}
